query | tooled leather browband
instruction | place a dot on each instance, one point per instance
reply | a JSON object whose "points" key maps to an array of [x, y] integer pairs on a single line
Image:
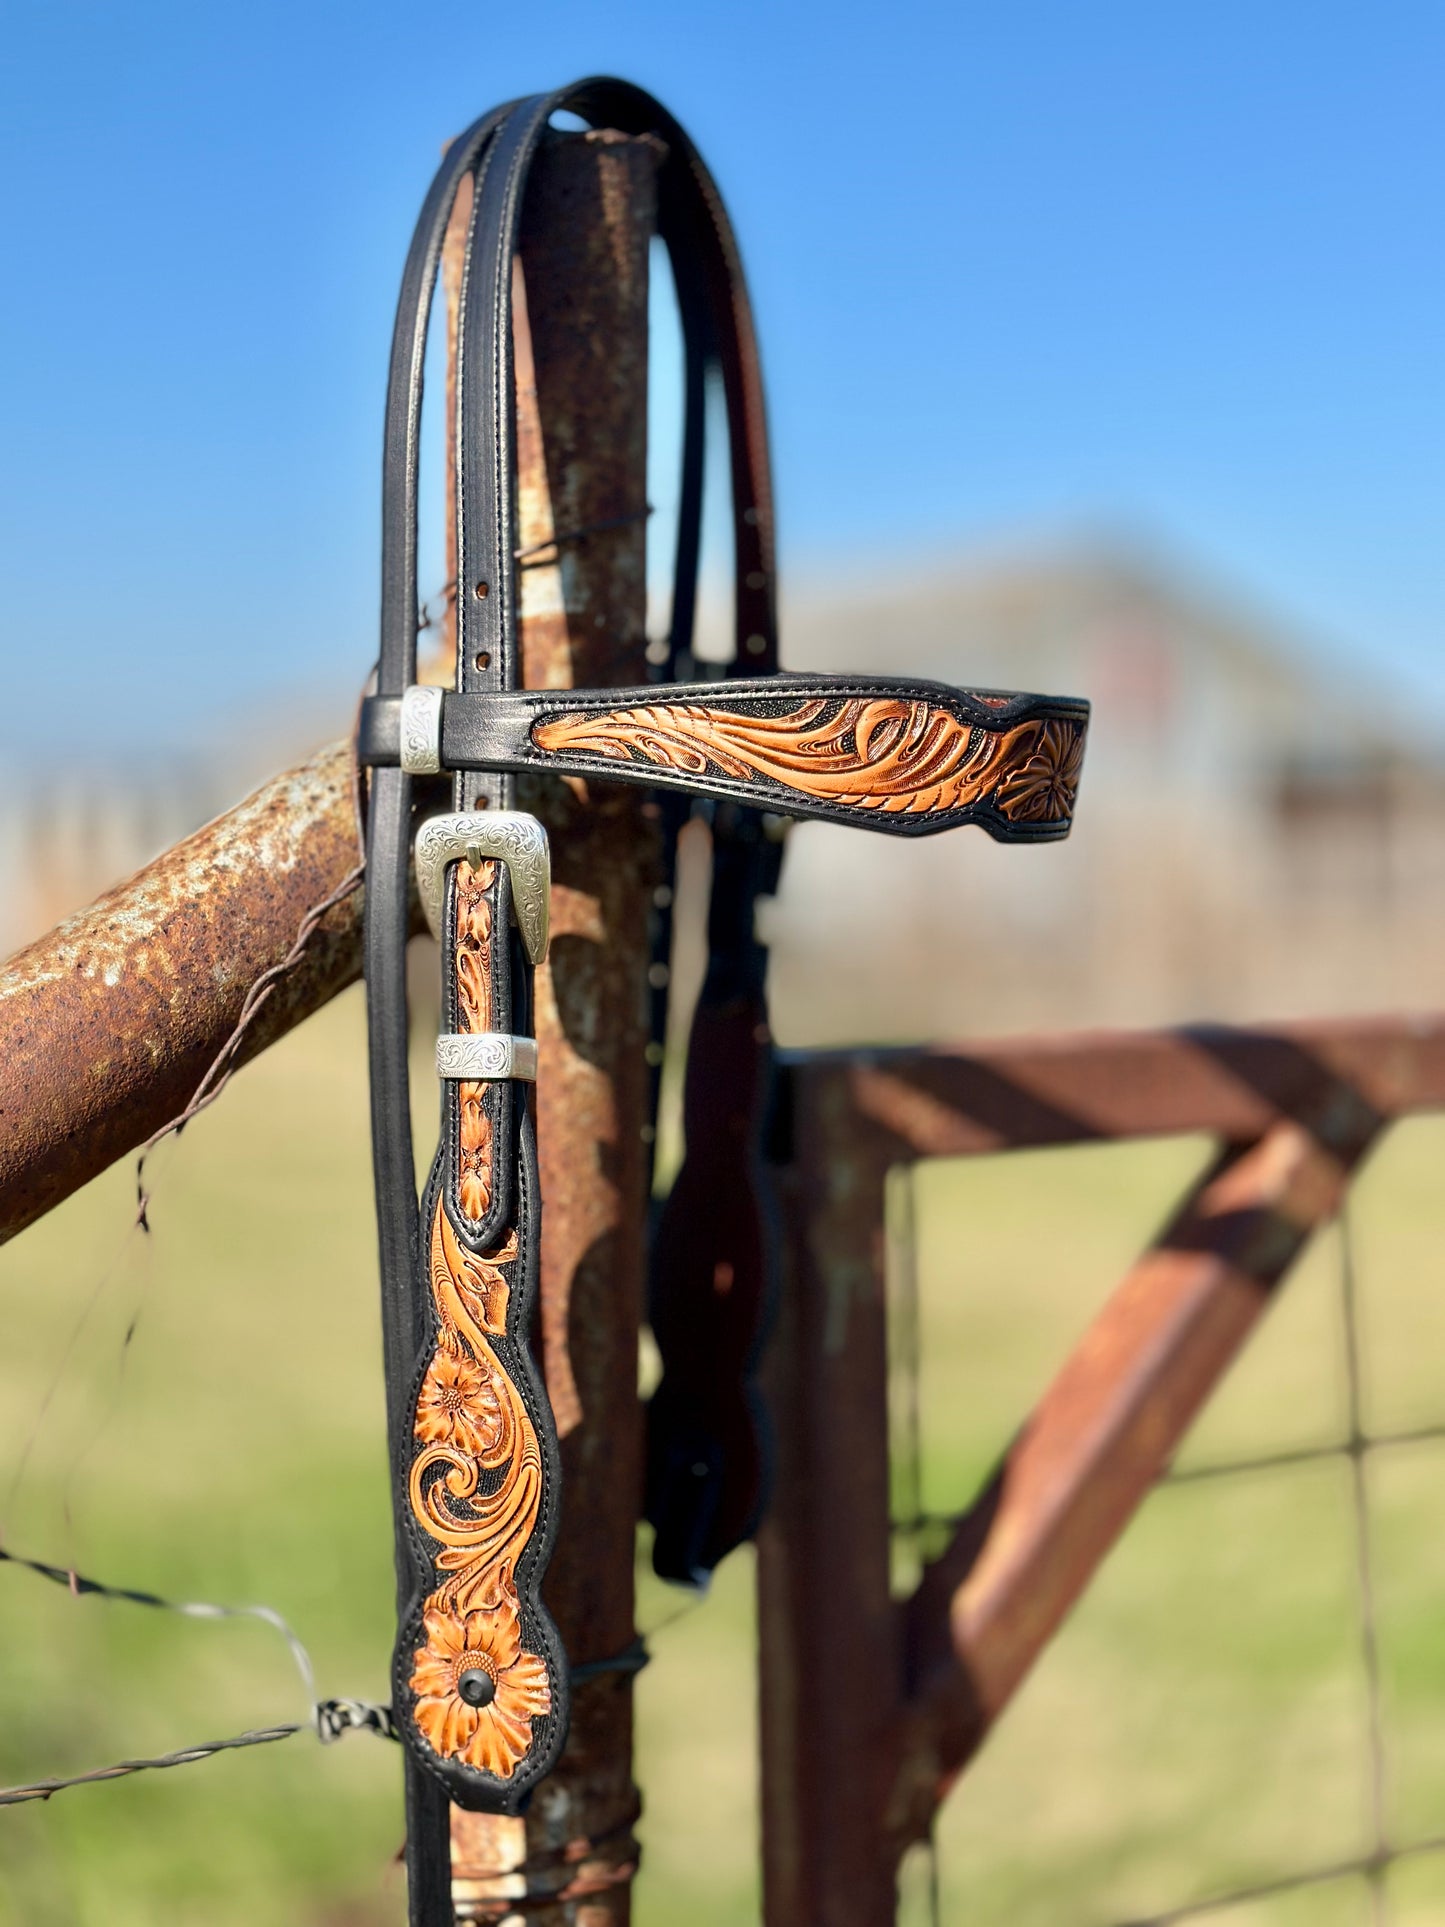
{"points": [[910, 758], [480, 1681]]}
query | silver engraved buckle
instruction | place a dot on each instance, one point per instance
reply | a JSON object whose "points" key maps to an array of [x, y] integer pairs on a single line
{"points": [[513, 838]]}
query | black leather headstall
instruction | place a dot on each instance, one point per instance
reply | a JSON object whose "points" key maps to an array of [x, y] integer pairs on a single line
{"points": [[480, 1682], [911, 758]]}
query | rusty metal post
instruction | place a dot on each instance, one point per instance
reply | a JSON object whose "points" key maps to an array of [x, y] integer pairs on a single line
{"points": [[108, 1023], [869, 1709], [829, 1678], [1336, 1077], [581, 299]]}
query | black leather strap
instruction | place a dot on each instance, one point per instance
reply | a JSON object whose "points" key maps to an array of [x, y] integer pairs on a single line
{"points": [[905, 758], [388, 850], [479, 1681]]}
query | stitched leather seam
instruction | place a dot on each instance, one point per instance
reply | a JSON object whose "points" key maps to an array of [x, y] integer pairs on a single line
{"points": [[1022, 706]]}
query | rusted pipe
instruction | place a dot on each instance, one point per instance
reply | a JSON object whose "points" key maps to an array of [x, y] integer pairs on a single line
{"points": [[830, 1680], [108, 1023], [869, 1709], [969, 1100], [581, 367]]}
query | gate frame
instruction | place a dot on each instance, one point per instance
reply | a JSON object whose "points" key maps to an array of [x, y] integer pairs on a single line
{"points": [[871, 1707]]}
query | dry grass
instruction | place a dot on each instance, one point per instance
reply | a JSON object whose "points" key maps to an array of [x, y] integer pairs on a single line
{"points": [[1199, 1722]]}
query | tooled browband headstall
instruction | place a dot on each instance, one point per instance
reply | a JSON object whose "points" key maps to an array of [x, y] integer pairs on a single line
{"points": [[480, 1682], [911, 758]]}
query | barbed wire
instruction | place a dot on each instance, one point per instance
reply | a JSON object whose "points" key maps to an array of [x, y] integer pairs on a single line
{"points": [[14, 1796], [329, 1720]]}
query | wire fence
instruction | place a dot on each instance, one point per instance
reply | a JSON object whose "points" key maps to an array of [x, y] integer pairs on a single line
{"points": [[917, 1530]]}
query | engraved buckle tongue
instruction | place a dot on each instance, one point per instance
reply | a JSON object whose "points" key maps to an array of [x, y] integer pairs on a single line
{"points": [[513, 838]]}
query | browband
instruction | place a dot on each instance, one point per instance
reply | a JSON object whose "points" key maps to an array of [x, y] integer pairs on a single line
{"points": [[480, 1682], [911, 758]]}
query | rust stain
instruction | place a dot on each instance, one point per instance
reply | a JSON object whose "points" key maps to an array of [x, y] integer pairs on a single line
{"points": [[947, 1660], [590, 1206], [111, 1019]]}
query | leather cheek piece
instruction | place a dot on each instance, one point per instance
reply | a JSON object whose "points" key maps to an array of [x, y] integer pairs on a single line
{"points": [[479, 1678], [904, 758]]}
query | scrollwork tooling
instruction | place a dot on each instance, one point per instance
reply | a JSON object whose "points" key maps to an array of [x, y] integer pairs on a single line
{"points": [[1040, 786], [475, 1482], [474, 1009], [475, 1488], [895, 755]]}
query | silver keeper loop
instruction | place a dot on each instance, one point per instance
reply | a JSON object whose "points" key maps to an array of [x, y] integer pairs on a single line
{"points": [[421, 730], [486, 1057]]}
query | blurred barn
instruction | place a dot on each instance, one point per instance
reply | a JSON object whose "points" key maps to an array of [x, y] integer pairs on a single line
{"points": [[1256, 837]]}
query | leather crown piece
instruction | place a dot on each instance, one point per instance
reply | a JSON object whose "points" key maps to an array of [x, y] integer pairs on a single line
{"points": [[480, 1683]]}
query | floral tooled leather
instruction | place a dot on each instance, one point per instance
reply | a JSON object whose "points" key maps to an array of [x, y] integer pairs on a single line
{"points": [[475, 1489], [895, 755]]}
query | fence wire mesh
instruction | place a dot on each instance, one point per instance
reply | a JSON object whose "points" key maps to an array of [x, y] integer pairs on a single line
{"points": [[917, 1531]]}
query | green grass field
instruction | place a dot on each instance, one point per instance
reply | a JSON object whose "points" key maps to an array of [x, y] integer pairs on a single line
{"points": [[1200, 1723]]}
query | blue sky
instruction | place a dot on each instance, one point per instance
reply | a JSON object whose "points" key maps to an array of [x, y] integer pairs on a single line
{"points": [[1170, 273]]}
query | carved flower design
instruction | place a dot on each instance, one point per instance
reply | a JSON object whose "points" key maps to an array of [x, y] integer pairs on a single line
{"points": [[1042, 788], [473, 990], [474, 913], [458, 1405], [474, 1163], [474, 1188], [477, 1690]]}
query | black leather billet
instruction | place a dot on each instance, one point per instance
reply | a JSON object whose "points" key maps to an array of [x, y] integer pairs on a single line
{"points": [[388, 853], [480, 1335]]}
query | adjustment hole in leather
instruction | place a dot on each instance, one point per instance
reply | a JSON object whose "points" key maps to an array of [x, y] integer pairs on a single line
{"points": [[482, 591], [482, 659]]}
